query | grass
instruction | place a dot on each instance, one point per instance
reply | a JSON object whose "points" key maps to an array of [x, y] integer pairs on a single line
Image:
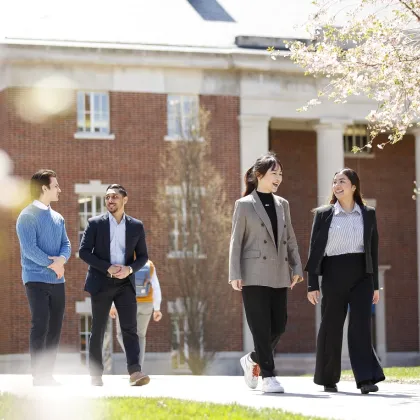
{"points": [[403, 375], [14, 408]]}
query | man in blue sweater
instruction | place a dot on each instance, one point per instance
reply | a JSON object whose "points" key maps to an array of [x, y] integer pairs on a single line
{"points": [[45, 248]]}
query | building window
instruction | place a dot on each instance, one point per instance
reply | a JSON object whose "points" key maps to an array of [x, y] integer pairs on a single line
{"points": [[179, 346], [185, 221], [89, 206], [180, 334], [85, 328], [357, 136], [183, 117], [93, 112]]}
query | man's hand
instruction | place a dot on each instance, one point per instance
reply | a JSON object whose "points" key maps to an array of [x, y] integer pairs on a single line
{"points": [[57, 266], [296, 279], [375, 299], [123, 273], [237, 284], [113, 312], [114, 269], [157, 316], [313, 297]]}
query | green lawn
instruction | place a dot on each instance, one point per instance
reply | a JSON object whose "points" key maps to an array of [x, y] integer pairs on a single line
{"points": [[404, 375], [12, 408]]}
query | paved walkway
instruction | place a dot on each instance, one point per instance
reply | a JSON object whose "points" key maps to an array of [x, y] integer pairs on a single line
{"points": [[70, 401]]}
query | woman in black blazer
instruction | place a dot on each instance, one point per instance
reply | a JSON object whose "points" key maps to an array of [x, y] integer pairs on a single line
{"points": [[344, 251]]}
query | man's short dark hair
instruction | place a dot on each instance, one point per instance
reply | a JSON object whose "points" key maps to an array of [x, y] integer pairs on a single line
{"points": [[39, 179], [119, 188]]}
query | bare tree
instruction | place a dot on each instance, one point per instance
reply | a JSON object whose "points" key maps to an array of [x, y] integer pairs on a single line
{"points": [[198, 229]]}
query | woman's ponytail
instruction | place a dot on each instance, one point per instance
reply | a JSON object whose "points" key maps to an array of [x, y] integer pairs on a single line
{"points": [[251, 182]]}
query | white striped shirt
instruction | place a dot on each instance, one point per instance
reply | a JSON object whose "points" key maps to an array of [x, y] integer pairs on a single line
{"points": [[346, 232]]}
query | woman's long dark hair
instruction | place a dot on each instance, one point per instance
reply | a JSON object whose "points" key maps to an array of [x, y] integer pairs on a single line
{"points": [[355, 180], [261, 166]]}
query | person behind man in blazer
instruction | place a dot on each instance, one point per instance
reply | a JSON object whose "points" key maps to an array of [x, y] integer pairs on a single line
{"points": [[344, 251], [263, 263], [114, 246]]}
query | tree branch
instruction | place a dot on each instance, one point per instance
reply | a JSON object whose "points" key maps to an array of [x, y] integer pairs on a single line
{"points": [[410, 9]]}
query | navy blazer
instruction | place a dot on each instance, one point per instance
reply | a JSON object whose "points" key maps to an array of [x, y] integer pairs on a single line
{"points": [[95, 250], [319, 238]]}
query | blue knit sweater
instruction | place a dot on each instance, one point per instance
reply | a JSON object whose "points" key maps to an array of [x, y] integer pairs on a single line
{"points": [[41, 233]]}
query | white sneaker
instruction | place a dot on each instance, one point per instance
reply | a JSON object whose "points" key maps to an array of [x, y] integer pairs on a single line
{"points": [[271, 384], [251, 371]]}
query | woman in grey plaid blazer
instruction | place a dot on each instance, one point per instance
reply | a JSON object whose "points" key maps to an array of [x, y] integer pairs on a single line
{"points": [[263, 263]]}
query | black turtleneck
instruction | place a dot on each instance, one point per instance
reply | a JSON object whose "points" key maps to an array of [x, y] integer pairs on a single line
{"points": [[267, 200]]}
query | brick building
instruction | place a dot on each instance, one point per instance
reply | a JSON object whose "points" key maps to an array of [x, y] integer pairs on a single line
{"points": [[103, 111]]}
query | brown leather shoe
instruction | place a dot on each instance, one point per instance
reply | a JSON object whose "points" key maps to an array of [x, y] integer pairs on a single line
{"points": [[139, 379]]}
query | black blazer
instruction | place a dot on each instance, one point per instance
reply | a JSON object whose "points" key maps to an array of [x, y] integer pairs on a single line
{"points": [[319, 238], [95, 250]]}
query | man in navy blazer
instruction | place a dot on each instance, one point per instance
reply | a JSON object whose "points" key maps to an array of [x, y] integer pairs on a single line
{"points": [[114, 246]]}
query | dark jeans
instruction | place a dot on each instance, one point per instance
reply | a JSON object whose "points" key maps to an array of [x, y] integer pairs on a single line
{"points": [[47, 304], [346, 286], [266, 314], [122, 294]]}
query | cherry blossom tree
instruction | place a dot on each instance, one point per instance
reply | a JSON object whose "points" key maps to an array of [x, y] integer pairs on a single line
{"points": [[366, 47]]}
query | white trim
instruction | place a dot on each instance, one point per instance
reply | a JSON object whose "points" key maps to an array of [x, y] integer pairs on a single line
{"points": [[176, 190], [92, 136], [178, 138], [93, 187], [183, 254], [84, 307], [370, 202], [380, 317], [103, 54], [359, 155]]}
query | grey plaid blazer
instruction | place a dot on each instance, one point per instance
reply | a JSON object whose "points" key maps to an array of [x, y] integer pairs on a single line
{"points": [[253, 256]]}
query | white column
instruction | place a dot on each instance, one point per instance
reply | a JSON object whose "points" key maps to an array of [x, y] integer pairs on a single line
{"points": [[330, 159], [254, 142], [417, 148], [330, 154], [380, 317]]}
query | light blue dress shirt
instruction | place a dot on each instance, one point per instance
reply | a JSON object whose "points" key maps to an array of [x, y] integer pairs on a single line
{"points": [[117, 235]]}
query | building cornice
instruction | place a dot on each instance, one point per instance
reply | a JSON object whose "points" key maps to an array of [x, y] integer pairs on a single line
{"points": [[106, 54]]}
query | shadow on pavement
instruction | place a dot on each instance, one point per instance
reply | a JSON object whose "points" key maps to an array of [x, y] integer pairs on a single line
{"points": [[291, 394], [379, 394]]}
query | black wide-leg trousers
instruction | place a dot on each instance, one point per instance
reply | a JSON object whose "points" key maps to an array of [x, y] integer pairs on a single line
{"points": [[266, 314], [346, 288]]}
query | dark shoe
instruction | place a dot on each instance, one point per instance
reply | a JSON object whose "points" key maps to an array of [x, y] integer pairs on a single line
{"points": [[139, 379], [368, 387], [45, 381], [96, 381], [330, 388]]}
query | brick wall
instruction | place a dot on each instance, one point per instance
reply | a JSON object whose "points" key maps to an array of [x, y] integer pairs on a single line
{"points": [[138, 121], [297, 153], [388, 178]]}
